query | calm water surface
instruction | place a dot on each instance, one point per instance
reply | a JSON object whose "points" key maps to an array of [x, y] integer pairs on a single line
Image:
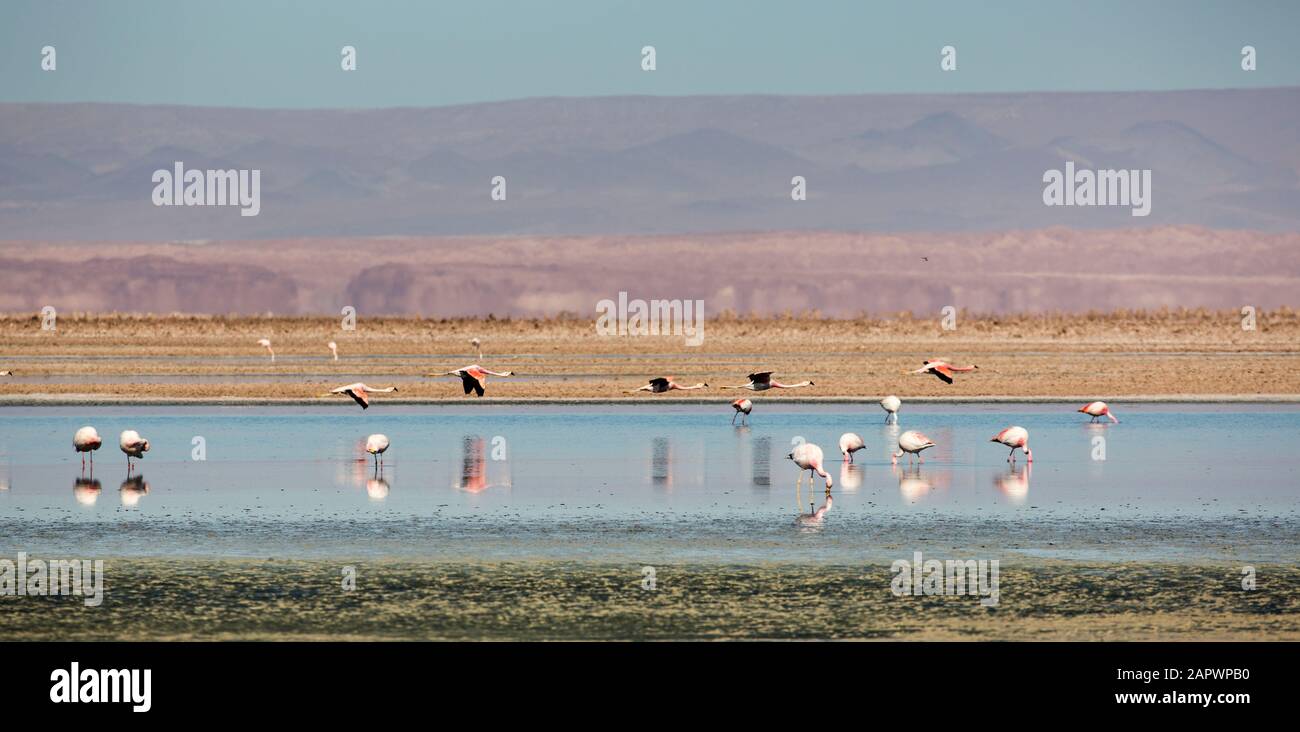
{"points": [[651, 481]]}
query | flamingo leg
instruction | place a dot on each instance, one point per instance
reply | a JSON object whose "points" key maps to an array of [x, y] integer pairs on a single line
{"points": [[733, 417]]}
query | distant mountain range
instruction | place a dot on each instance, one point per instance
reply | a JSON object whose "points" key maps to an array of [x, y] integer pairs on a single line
{"points": [[654, 165]]}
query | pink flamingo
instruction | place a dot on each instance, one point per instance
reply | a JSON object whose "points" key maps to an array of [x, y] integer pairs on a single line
{"points": [[942, 369], [742, 406], [87, 440], [1097, 410], [762, 381], [360, 393], [912, 443], [133, 445], [266, 343], [809, 457], [474, 377], [1015, 438], [850, 443], [665, 384], [334, 349]]}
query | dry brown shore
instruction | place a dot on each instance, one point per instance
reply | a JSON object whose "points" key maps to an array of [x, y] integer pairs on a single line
{"points": [[1191, 355]]}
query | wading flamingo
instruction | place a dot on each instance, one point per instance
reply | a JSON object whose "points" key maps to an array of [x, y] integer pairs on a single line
{"points": [[266, 343], [334, 349], [360, 392], [912, 443], [87, 440], [742, 406], [849, 444], [762, 381], [133, 445], [1015, 437], [891, 404], [1097, 410], [665, 384], [809, 457], [942, 369], [376, 445]]}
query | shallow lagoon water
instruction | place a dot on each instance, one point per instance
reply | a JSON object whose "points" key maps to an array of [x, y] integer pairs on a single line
{"points": [[647, 483]]}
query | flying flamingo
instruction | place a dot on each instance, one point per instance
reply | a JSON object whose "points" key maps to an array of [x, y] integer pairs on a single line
{"points": [[266, 343], [942, 369], [376, 445], [891, 404], [742, 406], [87, 440], [849, 444], [912, 443], [474, 377], [133, 445], [360, 392], [1015, 437], [334, 349], [1097, 410], [762, 381], [809, 457], [665, 384]]}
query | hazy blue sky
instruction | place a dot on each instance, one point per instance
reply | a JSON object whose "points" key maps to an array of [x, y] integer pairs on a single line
{"points": [[264, 53]]}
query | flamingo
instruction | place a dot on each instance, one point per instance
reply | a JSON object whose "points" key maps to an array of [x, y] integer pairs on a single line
{"points": [[891, 404], [6, 373], [87, 440], [809, 457], [942, 369], [762, 381], [377, 445], [360, 393], [474, 377], [1096, 410], [1015, 437], [912, 443], [266, 343], [665, 384], [742, 406], [133, 445], [849, 444], [334, 349]]}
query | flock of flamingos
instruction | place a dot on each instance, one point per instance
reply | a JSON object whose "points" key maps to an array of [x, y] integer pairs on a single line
{"points": [[807, 456]]}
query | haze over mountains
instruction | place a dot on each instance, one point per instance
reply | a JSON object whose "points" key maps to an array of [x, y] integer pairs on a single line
{"points": [[840, 274], [637, 165]]}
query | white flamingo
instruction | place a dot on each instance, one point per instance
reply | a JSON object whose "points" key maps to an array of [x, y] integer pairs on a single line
{"points": [[266, 343], [1015, 438], [891, 404], [133, 445], [377, 445], [334, 349], [850, 443], [360, 393], [87, 440], [912, 443]]}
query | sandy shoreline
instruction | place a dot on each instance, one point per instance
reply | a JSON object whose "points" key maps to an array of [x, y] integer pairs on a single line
{"points": [[1179, 356]]}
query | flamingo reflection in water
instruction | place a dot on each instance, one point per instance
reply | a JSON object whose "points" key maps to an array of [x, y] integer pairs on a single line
{"points": [[132, 490], [1014, 484], [474, 474], [86, 491]]}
